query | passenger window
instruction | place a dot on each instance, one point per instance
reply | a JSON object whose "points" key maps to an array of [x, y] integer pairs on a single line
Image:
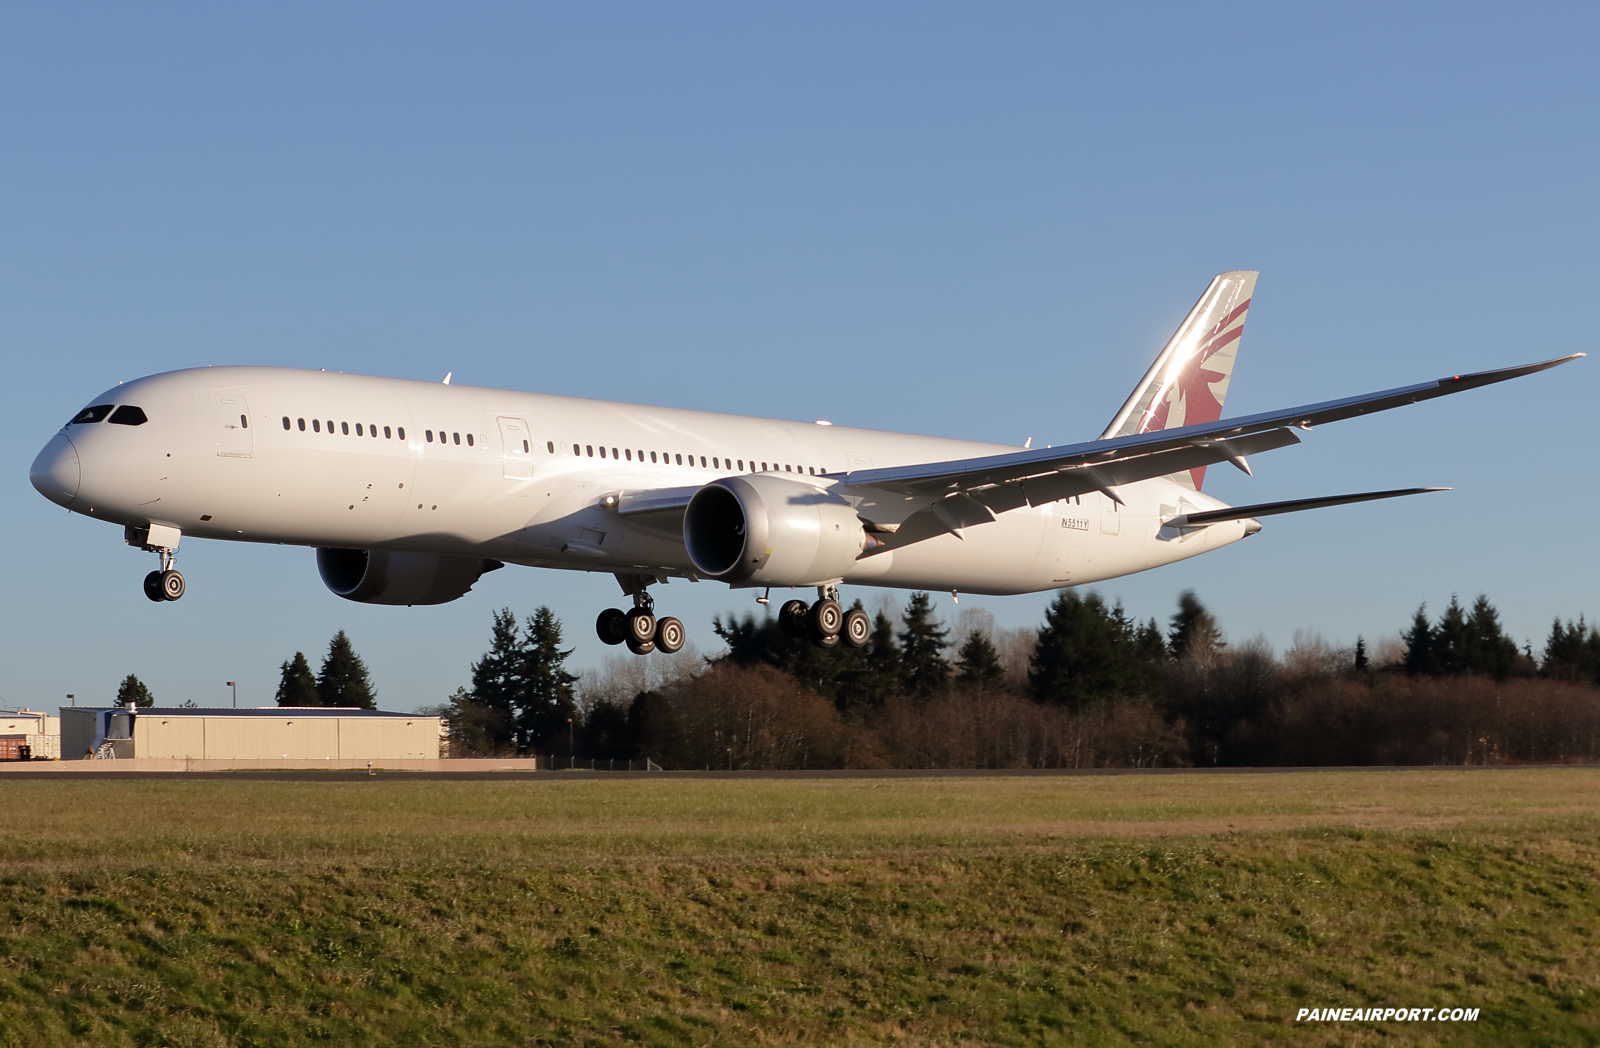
{"points": [[330, 425], [652, 456], [680, 460], [88, 415], [286, 422], [786, 469], [613, 452], [715, 464], [401, 432], [602, 451], [551, 445], [590, 449], [469, 440], [344, 427], [763, 467], [524, 447], [812, 470], [427, 435], [702, 462], [316, 426], [128, 415], [386, 433], [741, 465], [302, 424], [244, 422], [627, 453], [456, 437], [358, 430]]}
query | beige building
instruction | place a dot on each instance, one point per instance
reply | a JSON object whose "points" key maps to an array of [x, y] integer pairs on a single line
{"points": [[31, 732], [268, 733]]}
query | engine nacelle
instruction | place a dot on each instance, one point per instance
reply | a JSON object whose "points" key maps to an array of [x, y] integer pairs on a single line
{"points": [[380, 576], [765, 530]]}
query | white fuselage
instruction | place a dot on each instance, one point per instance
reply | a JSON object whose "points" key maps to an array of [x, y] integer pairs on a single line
{"points": [[214, 460]]}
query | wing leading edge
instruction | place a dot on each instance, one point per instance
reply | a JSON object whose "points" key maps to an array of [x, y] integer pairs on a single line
{"points": [[973, 490]]}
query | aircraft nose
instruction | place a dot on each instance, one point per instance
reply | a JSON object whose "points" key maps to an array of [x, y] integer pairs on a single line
{"points": [[56, 472]]}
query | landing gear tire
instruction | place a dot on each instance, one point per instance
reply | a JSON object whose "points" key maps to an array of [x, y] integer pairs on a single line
{"points": [[793, 618], [611, 626], [669, 635], [825, 640], [152, 587], [826, 619], [171, 585], [857, 628], [640, 647], [640, 628]]}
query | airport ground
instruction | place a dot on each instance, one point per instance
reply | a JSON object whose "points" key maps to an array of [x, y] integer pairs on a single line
{"points": [[1007, 910]]}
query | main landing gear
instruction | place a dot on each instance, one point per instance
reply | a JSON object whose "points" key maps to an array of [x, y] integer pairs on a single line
{"points": [[825, 622], [639, 628], [165, 584]]}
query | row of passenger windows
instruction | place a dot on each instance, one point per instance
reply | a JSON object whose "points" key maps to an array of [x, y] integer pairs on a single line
{"points": [[673, 458], [668, 458], [368, 430], [371, 430]]}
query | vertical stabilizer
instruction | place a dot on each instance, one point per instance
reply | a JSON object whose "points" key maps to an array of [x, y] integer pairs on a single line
{"points": [[1189, 380]]}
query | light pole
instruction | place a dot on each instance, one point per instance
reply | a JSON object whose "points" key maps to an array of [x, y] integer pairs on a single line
{"points": [[572, 746], [73, 697], [235, 686]]}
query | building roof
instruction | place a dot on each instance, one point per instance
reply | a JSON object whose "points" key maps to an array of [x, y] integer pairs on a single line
{"points": [[260, 711]]}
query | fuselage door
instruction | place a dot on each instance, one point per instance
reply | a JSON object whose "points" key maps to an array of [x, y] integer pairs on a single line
{"points": [[230, 419], [518, 444]]}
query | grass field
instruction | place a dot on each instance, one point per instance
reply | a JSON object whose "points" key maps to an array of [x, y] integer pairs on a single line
{"points": [[1202, 909]]}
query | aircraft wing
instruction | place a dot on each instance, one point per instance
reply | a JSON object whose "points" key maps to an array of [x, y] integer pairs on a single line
{"points": [[970, 491]]}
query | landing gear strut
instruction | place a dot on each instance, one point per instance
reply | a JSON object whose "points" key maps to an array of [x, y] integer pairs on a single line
{"points": [[165, 584], [639, 628], [825, 622]]}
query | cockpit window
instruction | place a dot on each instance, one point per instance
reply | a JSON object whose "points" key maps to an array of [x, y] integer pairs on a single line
{"points": [[94, 414], [128, 415]]}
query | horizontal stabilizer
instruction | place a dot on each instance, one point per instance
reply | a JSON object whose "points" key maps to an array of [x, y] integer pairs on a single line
{"points": [[1267, 509]]}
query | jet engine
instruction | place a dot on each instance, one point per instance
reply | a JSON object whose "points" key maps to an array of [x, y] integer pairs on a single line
{"points": [[766, 530], [378, 576]]}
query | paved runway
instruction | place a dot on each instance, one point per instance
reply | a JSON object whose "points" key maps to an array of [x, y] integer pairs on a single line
{"points": [[584, 775]]}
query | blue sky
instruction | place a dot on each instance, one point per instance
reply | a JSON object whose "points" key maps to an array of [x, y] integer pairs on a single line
{"points": [[970, 220]]}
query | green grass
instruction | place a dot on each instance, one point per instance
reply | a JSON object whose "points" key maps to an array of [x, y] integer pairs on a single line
{"points": [[1165, 910]]}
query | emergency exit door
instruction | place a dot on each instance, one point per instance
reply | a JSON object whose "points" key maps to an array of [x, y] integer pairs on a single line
{"points": [[518, 445], [230, 422]]}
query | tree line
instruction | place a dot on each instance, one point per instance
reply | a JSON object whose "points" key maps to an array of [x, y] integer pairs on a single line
{"points": [[1090, 687]]}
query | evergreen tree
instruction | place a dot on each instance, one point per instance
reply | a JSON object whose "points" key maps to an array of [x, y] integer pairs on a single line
{"points": [[545, 700], [1150, 647], [839, 673], [343, 680], [924, 669], [1195, 633], [1086, 653], [496, 688], [132, 690], [1572, 652], [296, 685], [1361, 655], [1421, 655], [1487, 650], [978, 664], [1450, 640]]}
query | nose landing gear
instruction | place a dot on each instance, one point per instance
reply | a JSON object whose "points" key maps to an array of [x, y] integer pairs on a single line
{"points": [[165, 583]]}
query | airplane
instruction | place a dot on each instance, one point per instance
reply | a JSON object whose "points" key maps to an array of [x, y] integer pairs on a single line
{"points": [[410, 491]]}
